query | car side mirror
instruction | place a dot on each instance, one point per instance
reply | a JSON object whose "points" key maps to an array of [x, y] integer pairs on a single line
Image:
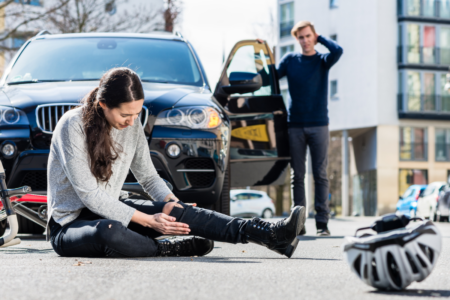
{"points": [[400, 198], [243, 82]]}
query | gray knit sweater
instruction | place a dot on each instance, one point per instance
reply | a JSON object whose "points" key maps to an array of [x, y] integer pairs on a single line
{"points": [[71, 185]]}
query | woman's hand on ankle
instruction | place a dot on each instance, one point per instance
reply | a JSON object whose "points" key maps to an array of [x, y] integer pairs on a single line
{"points": [[167, 225]]}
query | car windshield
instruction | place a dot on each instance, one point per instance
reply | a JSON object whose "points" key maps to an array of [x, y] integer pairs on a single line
{"points": [[409, 192], [428, 191], [154, 60]]}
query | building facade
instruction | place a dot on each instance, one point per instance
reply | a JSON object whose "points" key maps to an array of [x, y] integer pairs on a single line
{"points": [[386, 94]]}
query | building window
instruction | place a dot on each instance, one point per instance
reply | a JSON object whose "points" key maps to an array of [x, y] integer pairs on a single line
{"points": [[444, 47], [286, 49], [424, 8], [421, 44], [17, 42], [445, 94], [409, 177], [333, 3], [413, 143], [423, 91], [334, 89], [286, 18], [442, 144], [29, 2]]}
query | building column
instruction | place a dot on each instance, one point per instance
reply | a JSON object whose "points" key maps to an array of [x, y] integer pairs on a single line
{"points": [[345, 182]]}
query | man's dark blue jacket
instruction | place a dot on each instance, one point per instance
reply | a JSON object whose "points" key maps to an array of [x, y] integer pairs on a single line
{"points": [[307, 78]]}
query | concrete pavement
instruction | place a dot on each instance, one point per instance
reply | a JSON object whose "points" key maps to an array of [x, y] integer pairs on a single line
{"points": [[317, 270]]}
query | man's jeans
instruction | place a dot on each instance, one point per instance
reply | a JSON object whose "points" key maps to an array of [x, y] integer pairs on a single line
{"points": [[317, 138]]}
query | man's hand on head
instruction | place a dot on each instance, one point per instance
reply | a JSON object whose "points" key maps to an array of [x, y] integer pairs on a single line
{"points": [[317, 37]]}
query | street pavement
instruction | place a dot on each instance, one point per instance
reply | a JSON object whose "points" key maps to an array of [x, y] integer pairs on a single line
{"points": [[317, 270]]}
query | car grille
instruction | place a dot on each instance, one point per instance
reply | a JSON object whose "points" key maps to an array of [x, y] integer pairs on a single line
{"points": [[48, 115], [200, 179], [37, 180]]}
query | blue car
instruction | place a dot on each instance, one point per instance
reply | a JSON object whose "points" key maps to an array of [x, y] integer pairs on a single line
{"points": [[407, 204]]}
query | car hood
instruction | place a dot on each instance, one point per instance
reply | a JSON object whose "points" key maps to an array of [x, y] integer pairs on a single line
{"points": [[28, 96]]}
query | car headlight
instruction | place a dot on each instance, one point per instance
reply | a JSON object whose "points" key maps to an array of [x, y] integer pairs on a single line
{"points": [[12, 116], [197, 117]]}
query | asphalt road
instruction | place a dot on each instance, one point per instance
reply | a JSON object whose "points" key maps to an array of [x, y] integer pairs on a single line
{"points": [[317, 270]]}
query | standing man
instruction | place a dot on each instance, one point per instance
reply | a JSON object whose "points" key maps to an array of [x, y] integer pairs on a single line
{"points": [[307, 76]]}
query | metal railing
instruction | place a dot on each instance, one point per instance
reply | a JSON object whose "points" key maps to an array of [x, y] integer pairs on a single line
{"points": [[424, 8], [48, 115], [423, 55], [285, 28], [414, 151], [423, 103]]}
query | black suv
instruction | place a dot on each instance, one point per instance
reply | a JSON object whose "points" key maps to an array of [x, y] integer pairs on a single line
{"points": [[196, 137]]}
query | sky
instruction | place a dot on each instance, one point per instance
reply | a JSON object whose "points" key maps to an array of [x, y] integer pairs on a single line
{"points": [[214, 26]]}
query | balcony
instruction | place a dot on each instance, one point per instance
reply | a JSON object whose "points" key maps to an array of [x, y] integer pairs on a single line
{"points": [[415, 55], [423, 9], [432, 107], [413, 151], [285, 28]]}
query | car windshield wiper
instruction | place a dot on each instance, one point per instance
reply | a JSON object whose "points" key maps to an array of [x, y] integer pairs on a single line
{"points": [[31, 81], [51, 80]]}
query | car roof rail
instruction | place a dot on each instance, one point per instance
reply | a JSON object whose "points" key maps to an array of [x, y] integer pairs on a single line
{"points": [[43, 32], [178, 34]]}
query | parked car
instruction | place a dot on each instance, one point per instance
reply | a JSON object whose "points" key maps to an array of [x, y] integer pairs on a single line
{"points": [[427, 203], [407, 204], [443, 206], [251, 203], [201, 140]]}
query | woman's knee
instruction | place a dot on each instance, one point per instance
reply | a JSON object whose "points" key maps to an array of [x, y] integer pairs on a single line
{"points": [[167, 209]]}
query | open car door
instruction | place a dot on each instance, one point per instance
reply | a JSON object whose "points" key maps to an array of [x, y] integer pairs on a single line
{"points": [[249, 91]]}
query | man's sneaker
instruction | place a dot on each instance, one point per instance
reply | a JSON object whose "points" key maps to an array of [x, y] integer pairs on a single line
{"points": [[191, 246], [322, 229], [323, 232]]}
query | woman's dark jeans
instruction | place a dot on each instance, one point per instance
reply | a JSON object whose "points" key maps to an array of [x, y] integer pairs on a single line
{"points": [[93, 236]]}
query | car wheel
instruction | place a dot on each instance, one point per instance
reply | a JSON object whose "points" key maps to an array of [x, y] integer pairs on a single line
{"points": [[222, 205], [29, 227], [267, 214], [2, 227]]}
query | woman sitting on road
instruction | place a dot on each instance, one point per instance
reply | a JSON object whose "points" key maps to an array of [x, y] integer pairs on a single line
{"points": [[93, 147]]}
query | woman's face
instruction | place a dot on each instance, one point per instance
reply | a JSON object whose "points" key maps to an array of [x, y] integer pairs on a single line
{"points": [[123, 116]]}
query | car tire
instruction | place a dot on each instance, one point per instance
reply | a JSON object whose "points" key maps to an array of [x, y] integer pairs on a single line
{"points": [[3, 227], [267, 214], [222, 205], [29, 227]]}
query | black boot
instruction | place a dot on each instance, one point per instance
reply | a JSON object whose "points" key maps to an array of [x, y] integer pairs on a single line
{"points": [[191, 246], [281, 236]]}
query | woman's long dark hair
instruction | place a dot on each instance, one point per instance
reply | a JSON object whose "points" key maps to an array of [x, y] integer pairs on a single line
{"points": [[117, 86]]}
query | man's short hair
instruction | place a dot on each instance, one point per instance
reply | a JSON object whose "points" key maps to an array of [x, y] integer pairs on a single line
{"points": [[300, 25]]}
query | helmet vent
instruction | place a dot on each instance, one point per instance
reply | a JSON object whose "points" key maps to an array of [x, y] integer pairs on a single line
{"points": [[374, 270], [365, 272], [412, 263], [357, 265], [421, 261], [394, 271], [427, 251]]}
